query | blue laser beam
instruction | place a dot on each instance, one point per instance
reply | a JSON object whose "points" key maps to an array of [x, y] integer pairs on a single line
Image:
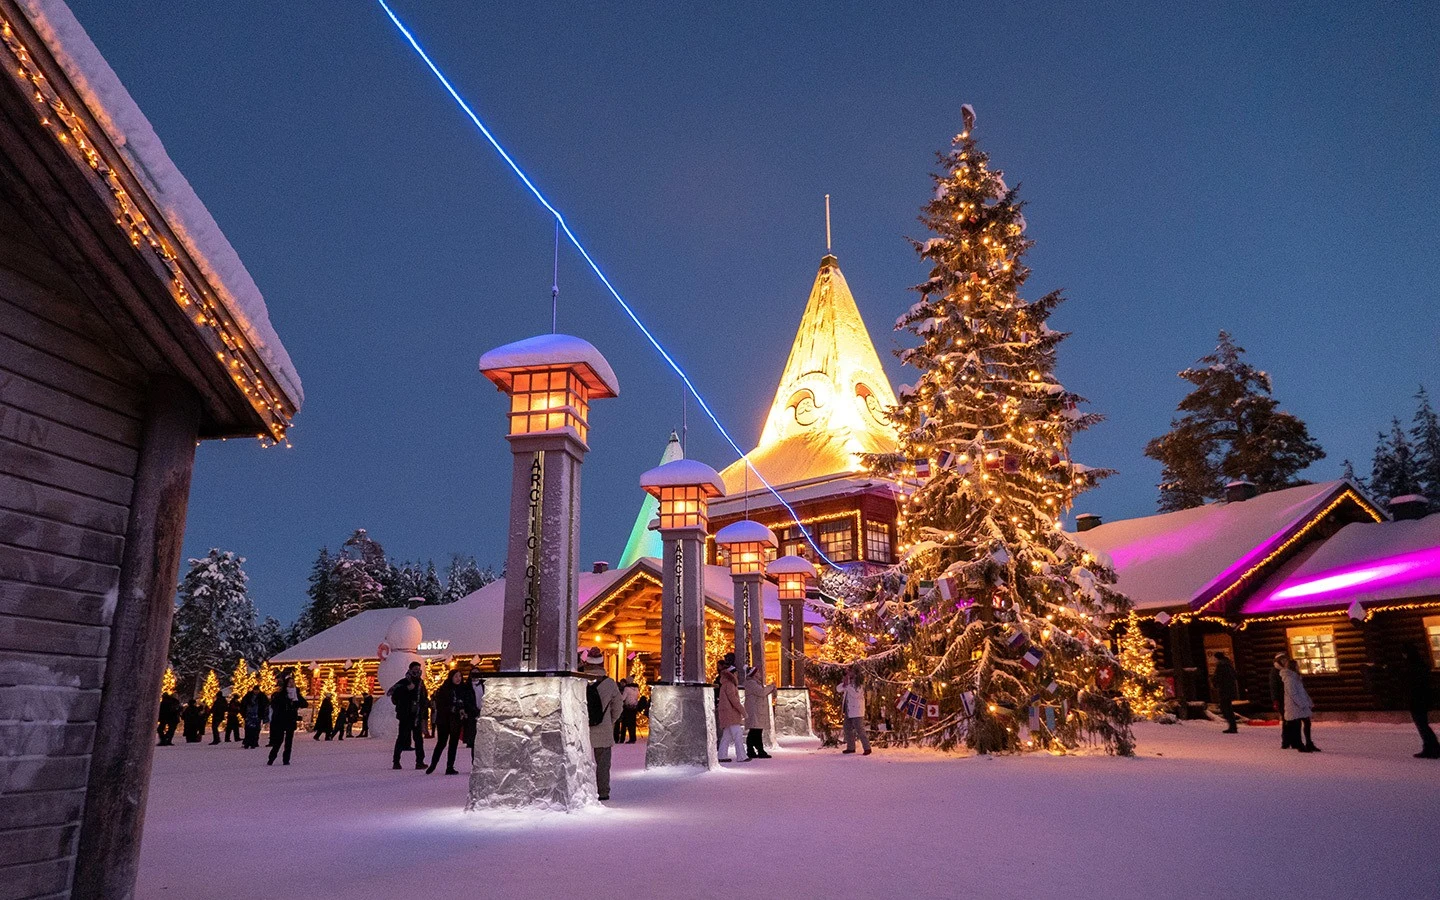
{"points": [[594, 267]]}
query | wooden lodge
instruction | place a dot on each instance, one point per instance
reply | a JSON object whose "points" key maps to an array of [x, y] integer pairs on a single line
{"points": [[128, 331]]}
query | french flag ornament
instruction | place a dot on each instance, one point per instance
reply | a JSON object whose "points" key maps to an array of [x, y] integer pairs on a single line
{"points": [[1032, 657]]}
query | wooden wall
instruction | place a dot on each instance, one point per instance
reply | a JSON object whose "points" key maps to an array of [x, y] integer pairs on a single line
{"points": [[70, 421], [1346, 690]]}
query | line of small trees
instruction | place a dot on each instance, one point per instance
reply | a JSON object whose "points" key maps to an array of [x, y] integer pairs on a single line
{"points": [[1231, 428]]}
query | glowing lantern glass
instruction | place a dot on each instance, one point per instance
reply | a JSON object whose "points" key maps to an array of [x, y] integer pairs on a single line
{"points": [[548, 400], [747, 546], [684, 488], [793, 575], [551, 380]]}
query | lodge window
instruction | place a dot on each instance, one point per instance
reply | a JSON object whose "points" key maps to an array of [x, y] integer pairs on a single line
{"points": [[793, 541], [877, 541], [837, 541], [1432, 633], [1313, 648]]}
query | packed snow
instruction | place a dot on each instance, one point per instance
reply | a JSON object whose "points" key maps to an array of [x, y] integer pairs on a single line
{"points": [[1196, 814]]}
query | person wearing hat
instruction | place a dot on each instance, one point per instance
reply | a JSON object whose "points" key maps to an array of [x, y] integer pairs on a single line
{"points": [[730, 715], [1227, 688], [602, 732], [757, 713], [412, 704]]}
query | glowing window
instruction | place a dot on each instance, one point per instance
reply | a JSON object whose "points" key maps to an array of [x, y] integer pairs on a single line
{"points": [[877, 542], [1313, 648], [1432, 633], [793, 541], [837, 540]]}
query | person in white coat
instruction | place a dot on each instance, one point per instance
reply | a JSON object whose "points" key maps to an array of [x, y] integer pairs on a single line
{"points": [[852, 700], [757, 713], [1298, 708]]}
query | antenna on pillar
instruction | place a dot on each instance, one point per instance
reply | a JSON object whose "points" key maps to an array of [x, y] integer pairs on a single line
{"points": [[684, 427], [827, 223], [555, 283]]}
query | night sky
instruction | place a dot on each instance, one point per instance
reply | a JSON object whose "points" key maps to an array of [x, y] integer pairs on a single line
{"points": [[1272, 172]]}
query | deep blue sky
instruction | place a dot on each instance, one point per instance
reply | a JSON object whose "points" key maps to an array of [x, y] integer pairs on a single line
{"points": [[1275, 173]]}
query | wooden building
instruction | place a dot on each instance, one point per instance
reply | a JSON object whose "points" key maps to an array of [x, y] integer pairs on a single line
{"points": [[129, 330], [1317, 571]]}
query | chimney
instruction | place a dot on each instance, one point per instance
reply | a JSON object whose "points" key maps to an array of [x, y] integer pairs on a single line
{"points": [[599, 566], [1408, 507], [1238, 491], [1086, 521]]}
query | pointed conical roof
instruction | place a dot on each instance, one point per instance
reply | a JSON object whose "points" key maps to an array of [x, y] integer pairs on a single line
{"points": [[832, 396], [643, 541]]}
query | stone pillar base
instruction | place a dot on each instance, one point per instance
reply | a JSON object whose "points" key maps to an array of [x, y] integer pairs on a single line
{"points": [[792, 712], [682, 726], [532, 745]]}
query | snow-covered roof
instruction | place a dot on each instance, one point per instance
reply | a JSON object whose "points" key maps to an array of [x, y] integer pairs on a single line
{"points": [[745, 531], [132, 135], [823, 488], [473, 625], [683, 473], [549, 351], [1372, 562], [1173, 558], [792, 565]]}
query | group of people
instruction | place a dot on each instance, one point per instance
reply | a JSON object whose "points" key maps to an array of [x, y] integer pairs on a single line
{"points": [[734, 717], [455, 708], [332, 722]]}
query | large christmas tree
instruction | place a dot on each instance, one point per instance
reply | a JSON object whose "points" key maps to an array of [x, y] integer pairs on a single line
{"points": [[998, 618]]}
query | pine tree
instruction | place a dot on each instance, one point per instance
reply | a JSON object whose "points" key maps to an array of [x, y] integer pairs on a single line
{"points": [[319, 613], [995, 425], [1425, 438], [269, 683], [1137, 658], [241, 679], [463, 577], [1231, 428], [215, 621], [1394, 472], [359, 576], [167, 681], [210, 689]]}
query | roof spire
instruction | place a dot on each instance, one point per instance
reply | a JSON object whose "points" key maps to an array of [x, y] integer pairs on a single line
{"points": [[827, 224]]}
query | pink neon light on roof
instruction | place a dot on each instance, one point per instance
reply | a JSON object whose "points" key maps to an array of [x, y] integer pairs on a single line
{"points": [[1339, 585]]}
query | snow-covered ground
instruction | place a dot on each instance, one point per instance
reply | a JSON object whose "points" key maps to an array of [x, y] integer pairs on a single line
{"points": [[1196, 814]]}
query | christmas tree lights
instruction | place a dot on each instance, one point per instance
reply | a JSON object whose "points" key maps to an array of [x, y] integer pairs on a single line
{"points": [[241, 679], [268, 682], [211, 688], [994, 612], [167, 681], [1137, 658]]}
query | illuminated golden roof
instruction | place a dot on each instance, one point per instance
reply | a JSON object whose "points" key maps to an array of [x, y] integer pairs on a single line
{"points": [[832, 397]]}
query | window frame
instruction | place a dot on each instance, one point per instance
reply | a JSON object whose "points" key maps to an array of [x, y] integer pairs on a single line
{"points": [[1318, 638]]}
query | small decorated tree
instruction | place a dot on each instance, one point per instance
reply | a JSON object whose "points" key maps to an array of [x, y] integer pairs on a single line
{"points": [[210, 689], [268, 682], [719, 641], [1140, 688], [241, 679]]}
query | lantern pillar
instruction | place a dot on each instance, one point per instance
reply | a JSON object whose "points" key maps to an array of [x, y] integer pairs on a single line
{"points": [[532, 742], [682, 701], [792, 698]]}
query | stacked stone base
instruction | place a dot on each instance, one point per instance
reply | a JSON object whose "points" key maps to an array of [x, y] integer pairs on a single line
{"points": [[682, 727], [532, 745], [792, 713]]}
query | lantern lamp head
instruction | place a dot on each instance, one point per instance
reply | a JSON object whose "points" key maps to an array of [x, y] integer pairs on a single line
{"points": [[748, 545], [793, 574], [551, 380], [684, 488]]}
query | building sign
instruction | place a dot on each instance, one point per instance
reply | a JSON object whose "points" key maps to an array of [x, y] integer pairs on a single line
{"points": [[530, 620], [433, 646], [679, 610]]}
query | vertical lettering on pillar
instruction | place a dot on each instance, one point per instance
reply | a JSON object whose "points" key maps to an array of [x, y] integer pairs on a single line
{"points": [[786, 642], [679, 610], [742, 652], [535, 531]]}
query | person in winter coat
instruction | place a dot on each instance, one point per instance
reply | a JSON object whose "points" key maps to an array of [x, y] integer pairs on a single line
{"points": [[1298, 707], [169, 719], [1277, 701], [730, 716], [285, 706], [325, 719], [1227, 688], [411, 701], [1418, 693], [757, 713], [629, 712], [454, 706], [232, 718], [255, 708], [602, 733], [367, 703], [193, 718], [218, 711], [475, 689], [852, 700]]}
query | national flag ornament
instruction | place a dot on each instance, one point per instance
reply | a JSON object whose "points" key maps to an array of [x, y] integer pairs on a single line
{"points": [[1017, 639], [922, 468], [967, 702], [932, 710], [945, 459], [1032, 657], [949, 587]]}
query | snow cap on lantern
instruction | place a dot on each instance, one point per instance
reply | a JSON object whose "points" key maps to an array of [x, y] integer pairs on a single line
{"points": [[792, 573], [551, 380], [746, 543], [684, 488]]}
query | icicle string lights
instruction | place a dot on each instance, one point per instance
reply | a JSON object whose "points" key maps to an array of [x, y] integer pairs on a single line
{"points": [[590, 261]]}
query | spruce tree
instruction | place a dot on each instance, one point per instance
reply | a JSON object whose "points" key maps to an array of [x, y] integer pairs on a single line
{"points": [[1231, 428], [215, 621], [319, 613], [1395, 471], [1000, 611], [1425, 438], [463, 577]]}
